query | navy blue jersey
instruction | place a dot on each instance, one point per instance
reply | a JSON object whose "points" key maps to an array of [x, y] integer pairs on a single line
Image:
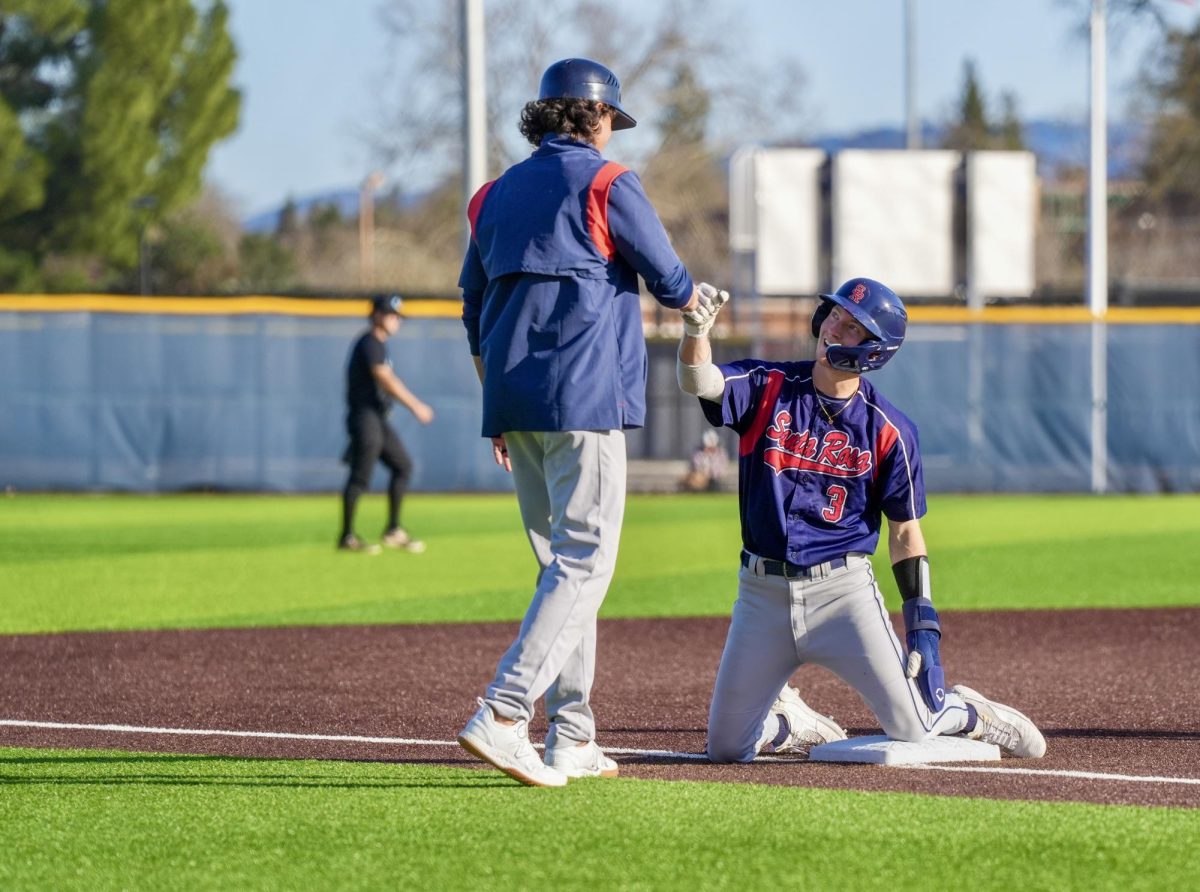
{"points": [[810, 488]]}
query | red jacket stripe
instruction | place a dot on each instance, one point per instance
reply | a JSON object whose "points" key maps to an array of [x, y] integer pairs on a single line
{"points": [[476, 204], [597, 207], [764, 412]]}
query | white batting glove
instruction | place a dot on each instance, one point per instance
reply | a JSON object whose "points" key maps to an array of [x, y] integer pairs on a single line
{"points": [[698, 320]]}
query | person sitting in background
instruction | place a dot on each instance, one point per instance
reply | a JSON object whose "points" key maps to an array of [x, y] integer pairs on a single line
{"points": [[371, 385], [707, 467]]}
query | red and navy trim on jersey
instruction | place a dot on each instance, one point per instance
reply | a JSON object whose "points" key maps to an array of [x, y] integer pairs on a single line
{"points": [[762, 415], [812, 488]]}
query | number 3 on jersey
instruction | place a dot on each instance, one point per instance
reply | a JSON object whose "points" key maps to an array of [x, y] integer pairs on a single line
{"points": [[837, 503]]}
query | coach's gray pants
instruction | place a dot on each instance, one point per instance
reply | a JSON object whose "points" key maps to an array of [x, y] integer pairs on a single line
{"points": [[571, 491]]}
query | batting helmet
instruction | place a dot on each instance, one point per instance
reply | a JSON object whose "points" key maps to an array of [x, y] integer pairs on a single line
{"points": [[876, 308], [585, 79]]}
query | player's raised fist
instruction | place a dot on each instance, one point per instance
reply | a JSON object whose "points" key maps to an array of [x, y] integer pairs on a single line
{"points": [[699, 320]]}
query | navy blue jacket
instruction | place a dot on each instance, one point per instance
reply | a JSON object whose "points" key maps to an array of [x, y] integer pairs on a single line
{"points": [[550, 291]]}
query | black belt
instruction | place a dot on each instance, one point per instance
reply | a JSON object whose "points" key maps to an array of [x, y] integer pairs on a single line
{"points": [[789, 570]]}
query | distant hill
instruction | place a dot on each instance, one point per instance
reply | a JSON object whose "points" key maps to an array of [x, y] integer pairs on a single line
{"points": [[1057, 145]]}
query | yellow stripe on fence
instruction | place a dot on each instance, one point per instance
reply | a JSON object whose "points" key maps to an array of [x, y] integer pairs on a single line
{"points": [[214, 306], [452, 309], [1033, 315]]}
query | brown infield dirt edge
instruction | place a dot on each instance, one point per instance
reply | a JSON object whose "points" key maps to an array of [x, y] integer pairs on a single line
{"points": [[1114, 691]]}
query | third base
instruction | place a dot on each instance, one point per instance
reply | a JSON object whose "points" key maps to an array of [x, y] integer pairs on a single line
{"points": [[880, 750]]}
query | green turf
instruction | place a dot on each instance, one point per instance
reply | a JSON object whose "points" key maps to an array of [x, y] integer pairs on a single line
{"points": [[96, 820], [120, 562], [92, 820]]}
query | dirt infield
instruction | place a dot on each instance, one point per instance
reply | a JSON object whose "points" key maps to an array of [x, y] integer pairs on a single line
{"points": [[1114, 691]]}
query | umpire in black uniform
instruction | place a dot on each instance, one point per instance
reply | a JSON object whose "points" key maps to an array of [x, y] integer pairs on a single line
{"points": [[371, 385]]}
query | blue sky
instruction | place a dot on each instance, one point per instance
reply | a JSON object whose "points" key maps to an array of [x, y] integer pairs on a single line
{"points": [[309, 77]]}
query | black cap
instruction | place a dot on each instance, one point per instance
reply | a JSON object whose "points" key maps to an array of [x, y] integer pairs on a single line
{"points": [[387, 303]]}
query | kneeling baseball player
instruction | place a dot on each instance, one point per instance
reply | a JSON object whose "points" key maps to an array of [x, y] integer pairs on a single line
{"points": [[822, 458]]}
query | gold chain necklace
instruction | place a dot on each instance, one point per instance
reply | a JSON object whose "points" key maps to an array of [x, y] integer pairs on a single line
{"points": [[825, 409]]}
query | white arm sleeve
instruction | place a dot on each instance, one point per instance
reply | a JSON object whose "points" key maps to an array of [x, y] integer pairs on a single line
{"points": [[704, 381]]}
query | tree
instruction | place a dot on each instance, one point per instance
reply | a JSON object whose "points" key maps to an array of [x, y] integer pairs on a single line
{"points": [[1172, 166], [694, 101], [1009, 132], [108, 110], [288, 223], [972, 129], [266, 264], [655, 51], [36, 36], [196, 249], [685, 118]]}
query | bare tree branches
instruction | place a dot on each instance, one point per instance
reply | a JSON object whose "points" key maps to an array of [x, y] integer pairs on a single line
{"points": [[419, 130]]}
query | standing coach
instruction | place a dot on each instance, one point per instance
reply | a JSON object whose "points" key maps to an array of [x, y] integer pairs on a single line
{"points": [[553, 317]]}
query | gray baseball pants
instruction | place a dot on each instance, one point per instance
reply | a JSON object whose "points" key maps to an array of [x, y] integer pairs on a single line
{"points": [[571, 492], [835, 619]]}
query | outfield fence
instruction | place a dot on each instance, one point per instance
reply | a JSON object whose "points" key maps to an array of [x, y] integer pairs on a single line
{"points": [[169, 394]]}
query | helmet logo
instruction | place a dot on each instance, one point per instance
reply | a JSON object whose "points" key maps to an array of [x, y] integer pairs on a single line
{"points": [[859, 292]]}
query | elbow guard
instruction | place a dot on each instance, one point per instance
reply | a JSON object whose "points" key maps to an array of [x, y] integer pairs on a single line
{"points": [[704, 381]]}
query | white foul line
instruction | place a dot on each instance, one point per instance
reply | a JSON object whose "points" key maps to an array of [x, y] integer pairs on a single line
{"points": [[666, 754], [203, 732], [287, 735], [1046, 772]]}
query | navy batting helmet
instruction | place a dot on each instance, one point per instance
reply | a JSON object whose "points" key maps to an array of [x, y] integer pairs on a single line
{"points": [[876, 308], [585, 79]]}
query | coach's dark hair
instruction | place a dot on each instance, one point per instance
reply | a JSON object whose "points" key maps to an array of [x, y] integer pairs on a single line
{"points": [[576, 118]]}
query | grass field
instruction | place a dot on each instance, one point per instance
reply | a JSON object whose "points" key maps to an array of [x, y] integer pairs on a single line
{"points": [[73, 562], [104, 820]]}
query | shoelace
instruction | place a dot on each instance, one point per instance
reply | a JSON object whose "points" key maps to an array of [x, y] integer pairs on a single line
{"points": [[806, 738], [1000, 733], [524, 749]]}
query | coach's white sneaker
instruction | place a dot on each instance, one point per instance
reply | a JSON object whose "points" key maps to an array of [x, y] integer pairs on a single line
{"points": [[508, 748], [806, 727], [1002, 725], [587, 760]]}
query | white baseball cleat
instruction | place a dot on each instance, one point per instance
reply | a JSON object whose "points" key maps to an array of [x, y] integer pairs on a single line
{"points": [[508, 748], [1004, 726], [401, 540], [806, 727], [357, 545], [574, 760]]}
